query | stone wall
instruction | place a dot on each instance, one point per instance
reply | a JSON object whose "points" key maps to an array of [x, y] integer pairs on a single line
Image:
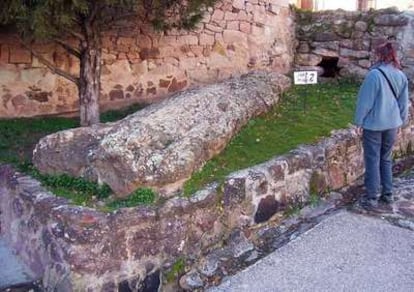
{"points": [[257, 193], [140, 65], [344, 42], [77, 248]]}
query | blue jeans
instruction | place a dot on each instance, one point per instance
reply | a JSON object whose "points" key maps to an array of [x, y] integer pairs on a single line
{"points": [[378, 161]]}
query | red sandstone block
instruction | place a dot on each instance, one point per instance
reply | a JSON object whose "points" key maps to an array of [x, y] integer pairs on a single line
{"points": [[232, 25], [217, 15], [19, 55], [126, 42], [245, 27], [230, 15], [4, 54], [206, 39]]}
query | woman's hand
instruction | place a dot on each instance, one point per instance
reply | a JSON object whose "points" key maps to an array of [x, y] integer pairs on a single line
{"points": [[359, 131]]}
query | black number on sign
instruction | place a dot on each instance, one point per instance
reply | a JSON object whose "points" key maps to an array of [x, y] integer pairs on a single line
{"points": [[311, 76]]}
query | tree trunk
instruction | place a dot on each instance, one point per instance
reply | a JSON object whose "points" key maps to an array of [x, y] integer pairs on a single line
{"points": [[89, 82]]}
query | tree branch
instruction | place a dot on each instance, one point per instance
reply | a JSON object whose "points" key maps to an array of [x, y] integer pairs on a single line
{"points": [[109, 20], [76, 35], [50, 66], [95, 9], [67, 47], [94, 19]]}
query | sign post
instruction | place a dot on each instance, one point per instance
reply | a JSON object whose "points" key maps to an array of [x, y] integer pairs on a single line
{"points": [[305, 78]]}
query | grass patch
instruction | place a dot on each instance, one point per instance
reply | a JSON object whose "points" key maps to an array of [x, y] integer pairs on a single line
{"points": [[78, 190], [142, 196], [85, 193], [303, 116], [115, 115], [18, 137]]}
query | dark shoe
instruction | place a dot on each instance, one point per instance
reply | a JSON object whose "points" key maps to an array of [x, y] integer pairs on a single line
{"points": [[368, 204], [387, 198]]}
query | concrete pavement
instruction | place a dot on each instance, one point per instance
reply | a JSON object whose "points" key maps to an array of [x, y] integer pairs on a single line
{"points": [[346, 252], [12, 270], [351, 250]]}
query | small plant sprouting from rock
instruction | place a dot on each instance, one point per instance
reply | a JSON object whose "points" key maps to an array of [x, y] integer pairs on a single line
{"points": [[313, 183], [294, 206], [314, 199], [292, 210], [177, 269], [316, 188]]}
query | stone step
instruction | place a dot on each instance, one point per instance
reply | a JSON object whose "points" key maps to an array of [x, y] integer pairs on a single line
{"points": [[14, 275]]}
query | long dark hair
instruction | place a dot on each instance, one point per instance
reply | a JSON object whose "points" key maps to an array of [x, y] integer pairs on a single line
{"points": [[387, 53]]}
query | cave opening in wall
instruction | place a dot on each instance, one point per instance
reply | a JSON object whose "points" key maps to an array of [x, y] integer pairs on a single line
{"points": [[330, 66]]}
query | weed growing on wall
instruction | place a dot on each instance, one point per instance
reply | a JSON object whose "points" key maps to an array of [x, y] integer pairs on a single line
{"points": [[176, 270]]}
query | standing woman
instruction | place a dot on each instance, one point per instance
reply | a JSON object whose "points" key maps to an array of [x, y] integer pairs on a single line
{"points": [[382, 108]]}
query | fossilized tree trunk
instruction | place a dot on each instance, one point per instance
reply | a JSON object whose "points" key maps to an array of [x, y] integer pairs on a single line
{"points": [[163, 144]]}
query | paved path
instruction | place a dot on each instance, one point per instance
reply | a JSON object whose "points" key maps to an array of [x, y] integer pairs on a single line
{"points": [[348, 251], [12, 270]]}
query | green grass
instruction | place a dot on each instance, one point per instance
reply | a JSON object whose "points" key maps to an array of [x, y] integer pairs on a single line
{"points": [[78, 190], [85, 193], [18, 137], [304, 115], [114, 115], [142, 196]]}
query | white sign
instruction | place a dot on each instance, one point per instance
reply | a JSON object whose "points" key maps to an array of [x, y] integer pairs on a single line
{"points": [[305, 77]]}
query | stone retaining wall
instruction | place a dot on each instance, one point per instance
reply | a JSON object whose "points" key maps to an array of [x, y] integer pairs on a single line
{"points": [[77, 248], [259, 192], [140, 65], [344, 42]]}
